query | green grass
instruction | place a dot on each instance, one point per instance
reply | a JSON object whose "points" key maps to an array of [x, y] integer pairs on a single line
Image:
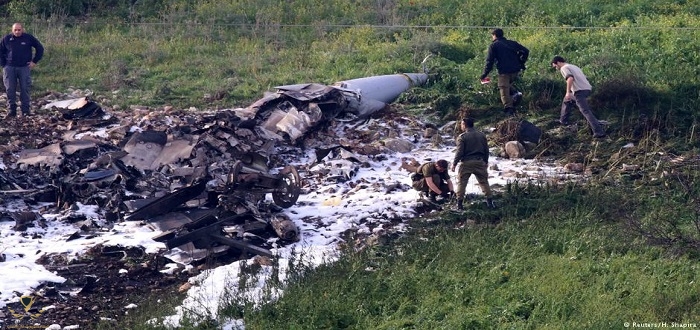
{"points": [[565, 265], [238, 50]]}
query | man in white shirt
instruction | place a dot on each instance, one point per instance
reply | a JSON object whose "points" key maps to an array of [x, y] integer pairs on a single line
{"points": [[578, 89]]}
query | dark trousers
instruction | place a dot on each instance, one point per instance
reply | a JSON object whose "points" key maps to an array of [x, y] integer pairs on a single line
{"points": [[17, 77], [581, 101]]}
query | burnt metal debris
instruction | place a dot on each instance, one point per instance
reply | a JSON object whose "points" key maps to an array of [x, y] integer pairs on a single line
{"points": [[202, 178]]}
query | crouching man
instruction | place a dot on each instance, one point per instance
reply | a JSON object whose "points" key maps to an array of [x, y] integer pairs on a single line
{"points": [[432, 179]]}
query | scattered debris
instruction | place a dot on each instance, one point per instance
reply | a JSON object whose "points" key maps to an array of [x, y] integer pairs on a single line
{"points": [[200, 178]]}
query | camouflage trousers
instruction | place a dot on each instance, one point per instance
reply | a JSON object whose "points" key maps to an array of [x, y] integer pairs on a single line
{"points": [[421, 185]]}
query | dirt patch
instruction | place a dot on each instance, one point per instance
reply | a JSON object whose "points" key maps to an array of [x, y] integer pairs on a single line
{"points": [[101, 286]]}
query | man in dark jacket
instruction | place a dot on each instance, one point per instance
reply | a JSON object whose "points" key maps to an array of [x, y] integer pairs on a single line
{"points": [[509, 57], [473, 156], [19, 53]]}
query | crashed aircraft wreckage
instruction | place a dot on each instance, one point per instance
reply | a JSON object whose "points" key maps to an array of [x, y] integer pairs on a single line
{"points": [[201, 179]]}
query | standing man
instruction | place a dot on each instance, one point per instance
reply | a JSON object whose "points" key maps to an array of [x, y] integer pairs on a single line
{"points": [[578, 89], [433, 179], [17, 59], [473, 154], [510, 57]]}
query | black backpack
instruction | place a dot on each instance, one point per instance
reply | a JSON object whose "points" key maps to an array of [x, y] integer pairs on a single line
{"points": [[516, 47]]}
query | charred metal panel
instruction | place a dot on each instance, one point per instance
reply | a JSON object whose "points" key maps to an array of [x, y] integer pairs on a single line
{"points": [[143, 148], [167, 203], [71, 147], [50, 156]]}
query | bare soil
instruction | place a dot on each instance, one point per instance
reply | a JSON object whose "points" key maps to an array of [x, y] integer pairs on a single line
{"points": [[98, 288]]}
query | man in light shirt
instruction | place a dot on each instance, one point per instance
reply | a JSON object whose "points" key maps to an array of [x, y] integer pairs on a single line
{"points": [[578, 89]]}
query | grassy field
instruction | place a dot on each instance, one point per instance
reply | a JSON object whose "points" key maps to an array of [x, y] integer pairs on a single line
{"points": [[642, 56], [550, 259], [619, 252]]}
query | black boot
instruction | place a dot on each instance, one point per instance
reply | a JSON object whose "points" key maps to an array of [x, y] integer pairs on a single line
{"points": [[489, 203], [517, 97], [11, 113], [460, 206], [432, 196]]}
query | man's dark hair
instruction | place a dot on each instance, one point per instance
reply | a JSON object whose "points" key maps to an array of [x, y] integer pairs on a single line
{"points": [[442, 163], [558, 59], [469, 122], [498, 33]]}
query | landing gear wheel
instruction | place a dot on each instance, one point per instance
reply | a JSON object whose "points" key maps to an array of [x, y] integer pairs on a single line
{"points": [[287, 191]]}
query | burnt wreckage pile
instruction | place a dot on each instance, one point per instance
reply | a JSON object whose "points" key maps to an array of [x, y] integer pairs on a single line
{"points": [[200, 178], [187, 179]]}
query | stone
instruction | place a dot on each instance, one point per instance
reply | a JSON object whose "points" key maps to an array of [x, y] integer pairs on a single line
{"points": [[514, 149], [574, 168]]}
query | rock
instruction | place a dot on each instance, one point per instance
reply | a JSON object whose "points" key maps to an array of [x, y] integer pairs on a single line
{"points": [[262, 260], [436, 140], [529, 132], [398, 145], [450, 127], [629, 168], [429, 132], [514, 149], [529, 145], [184, 287], [574, 168]]}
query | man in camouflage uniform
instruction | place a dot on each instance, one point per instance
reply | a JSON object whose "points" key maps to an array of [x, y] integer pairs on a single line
{"points": [[473, 156], [432, 179]]}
